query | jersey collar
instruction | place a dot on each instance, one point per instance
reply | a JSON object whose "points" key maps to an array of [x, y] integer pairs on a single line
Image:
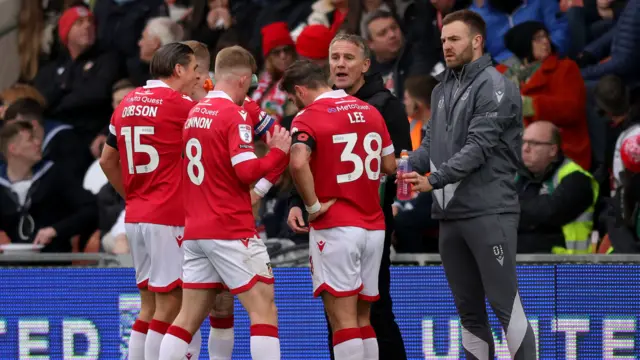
{"points": [[217, 94], [151, 84], [333, 94]]}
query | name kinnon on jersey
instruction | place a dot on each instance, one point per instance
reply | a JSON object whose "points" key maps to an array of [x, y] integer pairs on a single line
{"points": [[200, 122]]}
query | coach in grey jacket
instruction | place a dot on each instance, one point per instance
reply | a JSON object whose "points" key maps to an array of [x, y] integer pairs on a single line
{"points": [[472, 148]]}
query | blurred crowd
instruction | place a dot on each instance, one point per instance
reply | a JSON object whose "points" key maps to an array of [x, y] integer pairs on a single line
{"points": [[66, 64]]}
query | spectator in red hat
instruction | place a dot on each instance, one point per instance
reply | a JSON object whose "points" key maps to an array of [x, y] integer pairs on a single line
{"points": [[279, 52], [313, 43], [77, 85]]}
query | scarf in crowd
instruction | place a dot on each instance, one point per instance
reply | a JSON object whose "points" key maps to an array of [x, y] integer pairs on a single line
{"points": [[268, 95]]}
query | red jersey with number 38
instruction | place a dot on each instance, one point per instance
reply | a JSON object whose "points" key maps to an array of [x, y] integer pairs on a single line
{"points": [[148, 127], [348, 138]]}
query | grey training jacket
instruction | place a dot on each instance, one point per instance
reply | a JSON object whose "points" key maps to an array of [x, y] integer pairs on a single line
{"points": [[472, 143]]}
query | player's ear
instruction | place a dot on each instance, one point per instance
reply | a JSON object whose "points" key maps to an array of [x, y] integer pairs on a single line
{"points": [[365, 65]]}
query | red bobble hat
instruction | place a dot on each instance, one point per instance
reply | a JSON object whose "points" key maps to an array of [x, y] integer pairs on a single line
{"points": [[68, 18], [275, 35], [630, 154], [313, 42]]}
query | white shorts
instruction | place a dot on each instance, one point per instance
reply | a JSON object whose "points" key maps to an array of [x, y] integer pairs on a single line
{"points": [[345, 261], [157, 256], [221, 264]]}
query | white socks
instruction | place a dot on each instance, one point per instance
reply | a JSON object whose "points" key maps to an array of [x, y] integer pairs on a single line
{"points": [[370, 343], [348, 345], [175, 344], [221, 338], [193, 350], [265, 344], [137, 340], [156, 332]]}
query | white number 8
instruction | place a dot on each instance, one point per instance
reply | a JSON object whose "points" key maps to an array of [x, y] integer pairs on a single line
{"points": [[194, 161], [360, 166]]}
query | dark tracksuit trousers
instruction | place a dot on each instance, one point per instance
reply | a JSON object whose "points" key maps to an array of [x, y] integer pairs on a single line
{"points": [[479, 259]]}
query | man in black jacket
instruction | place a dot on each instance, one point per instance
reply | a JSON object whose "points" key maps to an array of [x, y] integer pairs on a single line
{"points": [[40, 202], [549, 201], [77, 86], [59, 142], [349, 60]]}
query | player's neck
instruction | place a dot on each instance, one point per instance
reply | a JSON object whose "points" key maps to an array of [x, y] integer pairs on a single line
{"points": [[18, 171], [313, 94], [174, 84], [236, 98]]}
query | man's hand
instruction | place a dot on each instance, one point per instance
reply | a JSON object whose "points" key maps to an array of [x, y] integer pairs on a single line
{"points": [[296, 221], [280, 139], [97, 144], [324, 207], [420, 183], [45, 236]]}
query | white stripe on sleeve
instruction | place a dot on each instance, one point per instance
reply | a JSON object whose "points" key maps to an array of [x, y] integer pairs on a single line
{"points": [[112, 130], [242, 157], [388, 150]]}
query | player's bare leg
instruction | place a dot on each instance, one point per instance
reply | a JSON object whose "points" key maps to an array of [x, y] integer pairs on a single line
{"points": [[141, 326], [221, 335], [261, 307], [369, 340], [167, 308], [196, 306], [343, 317]]}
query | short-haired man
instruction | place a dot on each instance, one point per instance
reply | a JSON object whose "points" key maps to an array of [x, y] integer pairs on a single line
{"points": [[143, 162], [59, 143], [158, 32], [557, 196], [220, 234], [351, 147], [349, 61], [472, 148], [417, 101], [41, 202]]}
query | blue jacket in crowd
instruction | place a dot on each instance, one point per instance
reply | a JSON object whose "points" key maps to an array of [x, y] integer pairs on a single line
{"points": [[498, 23]]}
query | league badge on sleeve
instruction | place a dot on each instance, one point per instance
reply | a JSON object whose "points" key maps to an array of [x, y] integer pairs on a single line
{"points": [[245, 133]]}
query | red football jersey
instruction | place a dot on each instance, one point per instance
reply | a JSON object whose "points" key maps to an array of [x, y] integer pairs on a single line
{"points": [[349, 137], [218, 135], [148, 127]]}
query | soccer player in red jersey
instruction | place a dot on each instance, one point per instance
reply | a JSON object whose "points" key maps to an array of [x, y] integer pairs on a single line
{"points": [[340, 146], [143, 162], [221, 246]]}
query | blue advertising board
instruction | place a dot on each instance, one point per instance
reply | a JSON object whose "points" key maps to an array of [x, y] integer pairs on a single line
{"points": [[577, 311]]}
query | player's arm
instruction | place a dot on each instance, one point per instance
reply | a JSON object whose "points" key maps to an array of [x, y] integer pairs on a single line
{"points": [[110, 162], [247, 166], [301, 171], [388, 158]]}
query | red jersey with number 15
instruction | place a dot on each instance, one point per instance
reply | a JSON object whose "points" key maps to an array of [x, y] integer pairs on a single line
{"points": [[148, 127], [348, 138]]}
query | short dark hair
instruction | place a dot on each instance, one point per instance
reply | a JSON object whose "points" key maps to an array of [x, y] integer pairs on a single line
{"points": [[421, 87], [376, 15], [165, 59], [303, 73], [472, 19], [10, 131], [27, 108], [611, 95]]}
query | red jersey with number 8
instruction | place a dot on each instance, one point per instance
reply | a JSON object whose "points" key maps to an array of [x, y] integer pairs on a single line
{"points": [[148, 127], [217, 135], [348, 138]]}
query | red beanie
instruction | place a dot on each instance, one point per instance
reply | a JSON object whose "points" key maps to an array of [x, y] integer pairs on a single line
{"points": [[313, 42], [68, 18], [275, 35], [630, 154]]}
